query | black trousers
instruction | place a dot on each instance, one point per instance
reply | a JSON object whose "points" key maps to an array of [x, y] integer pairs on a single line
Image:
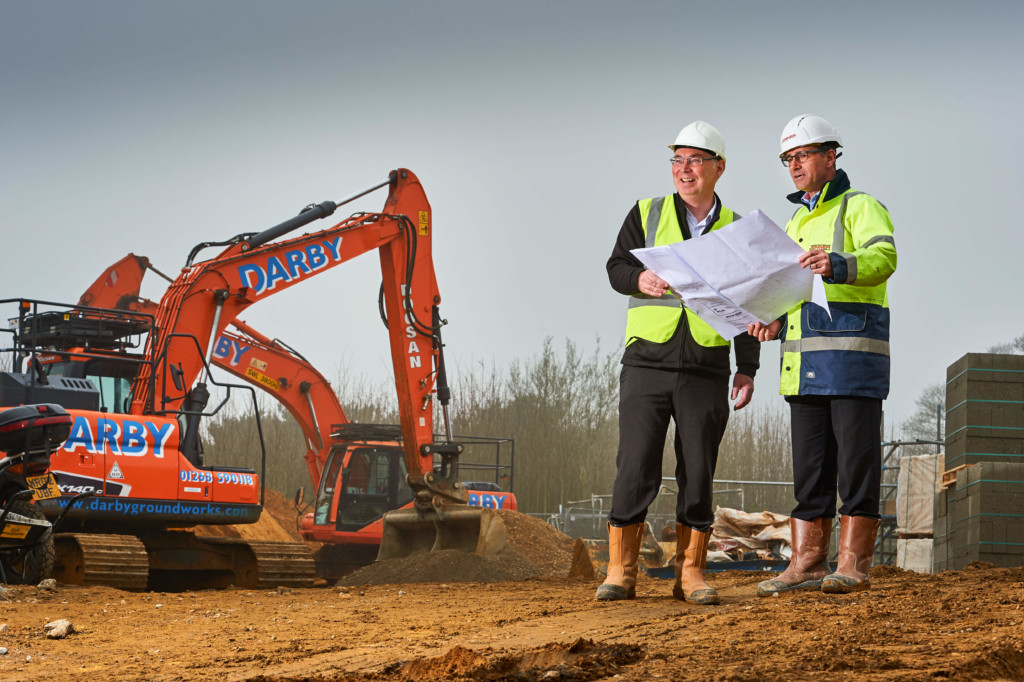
{"points": [[837, 441], [648, 400]]}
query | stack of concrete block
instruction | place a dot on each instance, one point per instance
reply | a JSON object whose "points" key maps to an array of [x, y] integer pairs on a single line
{"points": [[980, 517], [985, 409], [920, 478]]}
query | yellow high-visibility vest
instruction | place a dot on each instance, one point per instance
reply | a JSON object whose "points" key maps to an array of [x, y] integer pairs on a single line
{"points": [[656, 319]]}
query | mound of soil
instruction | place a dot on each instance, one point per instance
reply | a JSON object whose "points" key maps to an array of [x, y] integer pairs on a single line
{"points": [[543, 545], [579, 660], [533, 549], [449, 565], [277, 522]]}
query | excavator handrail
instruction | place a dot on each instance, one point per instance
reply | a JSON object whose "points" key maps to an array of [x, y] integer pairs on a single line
{"points": [[28, 345], [25, 305], [203, 413], [29, 308]]}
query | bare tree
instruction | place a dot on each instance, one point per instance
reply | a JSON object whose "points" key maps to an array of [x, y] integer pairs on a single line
{"points": [[1014, 347], [929, 419]]}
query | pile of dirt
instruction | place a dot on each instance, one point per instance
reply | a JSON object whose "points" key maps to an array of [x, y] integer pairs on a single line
{"points": [[533, 549], [277, 523], [543, 545], [448, 565], [580, 660]]}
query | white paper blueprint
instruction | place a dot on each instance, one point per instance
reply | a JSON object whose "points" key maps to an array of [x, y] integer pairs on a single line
{"points": [[742, 273]]}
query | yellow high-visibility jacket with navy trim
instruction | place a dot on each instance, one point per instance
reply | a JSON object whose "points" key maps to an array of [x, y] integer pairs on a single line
{"points": [[847, 355], [658, 333]]}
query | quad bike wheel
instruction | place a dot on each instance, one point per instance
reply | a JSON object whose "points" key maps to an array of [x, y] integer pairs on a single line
{"points": [[28, 565]]}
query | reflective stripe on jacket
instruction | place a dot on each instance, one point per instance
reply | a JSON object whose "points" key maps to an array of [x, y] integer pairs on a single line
{"points": [[656, 319], [848, 354]]}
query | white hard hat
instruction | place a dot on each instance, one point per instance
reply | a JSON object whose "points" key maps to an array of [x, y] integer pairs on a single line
{"points": [[700, 135], [808, 129]]}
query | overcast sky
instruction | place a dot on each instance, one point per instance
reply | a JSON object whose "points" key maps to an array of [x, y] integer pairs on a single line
{"points": [[148, 127]]}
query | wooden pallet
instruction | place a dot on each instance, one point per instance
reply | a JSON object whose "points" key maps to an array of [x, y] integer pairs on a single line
{"points": [[949, 477]]}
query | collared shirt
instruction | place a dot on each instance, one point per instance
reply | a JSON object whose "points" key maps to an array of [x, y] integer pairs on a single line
{"points": [[810, 199], [699, 227]]}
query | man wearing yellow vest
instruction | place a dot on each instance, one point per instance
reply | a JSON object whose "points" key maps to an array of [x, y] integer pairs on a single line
{"points": [[835, 372], [674, 368]]}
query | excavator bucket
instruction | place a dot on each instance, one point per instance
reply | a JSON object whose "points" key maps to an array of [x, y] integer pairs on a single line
{"points": [[474, 530]]}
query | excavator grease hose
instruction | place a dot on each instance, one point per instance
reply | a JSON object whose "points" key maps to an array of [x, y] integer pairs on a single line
{"points": [[411, 237]]}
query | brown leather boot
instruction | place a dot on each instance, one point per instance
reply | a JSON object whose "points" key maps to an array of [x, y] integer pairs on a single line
{"points": [[691, 558], [856, 549], [809, 563], [623, 554]]}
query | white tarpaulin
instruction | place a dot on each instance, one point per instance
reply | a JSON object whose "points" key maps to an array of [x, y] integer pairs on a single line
{"points": [[920, 478], [915, 554]]}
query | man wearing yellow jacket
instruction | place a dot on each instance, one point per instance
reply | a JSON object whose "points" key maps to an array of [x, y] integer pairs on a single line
{"points": [[674, 368], [835, 372]]}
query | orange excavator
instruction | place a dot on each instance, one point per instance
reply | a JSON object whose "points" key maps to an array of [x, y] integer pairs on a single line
{"points": [[358, 471], [136, 439]]}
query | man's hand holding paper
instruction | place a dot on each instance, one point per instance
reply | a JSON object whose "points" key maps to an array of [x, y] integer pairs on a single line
{"points": [[745, 273], [652, 285]]}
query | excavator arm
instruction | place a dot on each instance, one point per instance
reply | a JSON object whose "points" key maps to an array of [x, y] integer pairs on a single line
{"points": [[119, 286]]}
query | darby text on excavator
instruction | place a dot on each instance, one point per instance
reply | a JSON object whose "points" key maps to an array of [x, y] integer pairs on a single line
{"points": [[135, 442]]}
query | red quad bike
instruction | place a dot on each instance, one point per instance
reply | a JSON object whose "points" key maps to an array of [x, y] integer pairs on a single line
{"points": [[28, 436]]}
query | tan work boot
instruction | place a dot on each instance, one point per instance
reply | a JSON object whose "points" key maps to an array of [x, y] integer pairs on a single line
{"points": [[623, 554], [809, 563], [691, 558], [856, 549]]}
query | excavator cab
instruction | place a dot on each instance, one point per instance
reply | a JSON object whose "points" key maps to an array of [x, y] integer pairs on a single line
{"points": [[359, 484]]}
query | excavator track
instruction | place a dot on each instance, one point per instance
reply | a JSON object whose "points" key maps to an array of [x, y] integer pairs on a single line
{"points": [[253, 563], [283, 564], [179, 561], [118, 561]]}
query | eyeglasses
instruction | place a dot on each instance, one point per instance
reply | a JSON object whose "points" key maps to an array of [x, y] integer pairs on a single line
{"points": [[692, 160], [800, 156]]}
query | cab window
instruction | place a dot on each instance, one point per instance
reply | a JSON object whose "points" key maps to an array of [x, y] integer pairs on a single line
{"points": [[112, 378]]}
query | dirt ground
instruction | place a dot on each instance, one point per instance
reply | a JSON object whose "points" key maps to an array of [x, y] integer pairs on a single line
{"points": [[955, 625]]}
